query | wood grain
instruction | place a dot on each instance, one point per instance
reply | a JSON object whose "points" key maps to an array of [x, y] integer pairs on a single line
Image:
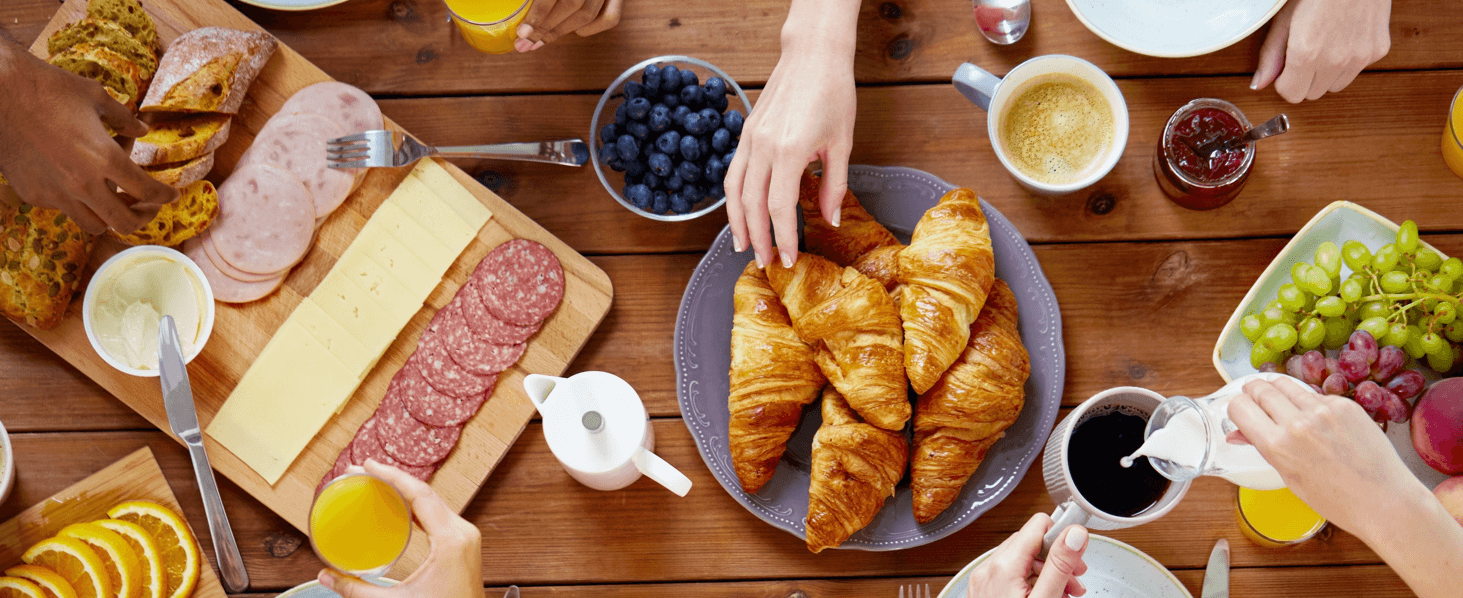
{"points": [[134, 477]]}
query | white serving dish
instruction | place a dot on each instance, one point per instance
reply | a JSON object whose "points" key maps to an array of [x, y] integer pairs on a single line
{"points": [[88, 304], [1114, 570], [1339, 222], [293, 5], [7, 468], [1174, 28]]}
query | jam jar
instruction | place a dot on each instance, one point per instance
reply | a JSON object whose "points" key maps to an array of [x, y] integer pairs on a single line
{"points": [[1196, 182]]}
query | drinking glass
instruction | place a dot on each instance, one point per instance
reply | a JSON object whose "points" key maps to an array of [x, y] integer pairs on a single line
{"points": [[490, 26], [1453, 135], [360, 525]]}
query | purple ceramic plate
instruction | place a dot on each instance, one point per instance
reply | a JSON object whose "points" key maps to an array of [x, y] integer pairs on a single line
{"points": [[897, 197]]}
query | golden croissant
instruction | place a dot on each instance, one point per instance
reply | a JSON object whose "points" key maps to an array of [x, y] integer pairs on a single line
{"points": [[967, 411], [853, 326], [946, 270], [882, 265], [773, 376], [857, 232], [855, 469]]}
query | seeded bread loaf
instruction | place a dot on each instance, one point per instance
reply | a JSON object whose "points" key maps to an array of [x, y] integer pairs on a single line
{"points": [[181, 139], [208, 70], [182, 174], [112, 70], [109, 35], [181, 220], [43, 253], [130, 15]]}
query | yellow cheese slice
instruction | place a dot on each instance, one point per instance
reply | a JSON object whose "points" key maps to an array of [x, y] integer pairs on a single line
{"points": [[429, 210], [379, 285], [396, 258], [356, 312], [394, 222], [285, 398], [453, 193], [339, 342]]}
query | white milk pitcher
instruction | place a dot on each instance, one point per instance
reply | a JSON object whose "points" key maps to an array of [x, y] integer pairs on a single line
{"points": [[598, 429]]}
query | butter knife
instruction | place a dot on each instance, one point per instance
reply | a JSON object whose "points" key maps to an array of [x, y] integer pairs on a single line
{"points": [[183, 419], [1216, 575]]}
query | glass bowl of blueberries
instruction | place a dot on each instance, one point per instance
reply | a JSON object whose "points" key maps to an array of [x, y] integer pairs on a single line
{"points": [[666, 130]]}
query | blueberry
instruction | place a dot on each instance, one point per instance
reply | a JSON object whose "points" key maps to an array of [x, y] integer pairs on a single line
{"points": [[639, 108], [638, 130], [693, 95], [733, 121], [674, 183], [671, 100], [718, 102], [688, 78], [721, 140], [728, 157], [661, 164], [670, 79], [615, 164], [609, 151], [704, 144], [635, 169], [678, 116], [660, 118], [651, 77], [638, 195], [712, 118], [715, 170], [669, 142], [608, 133], [690, 148], [688, 171], [652, 180], [694, 124], [715, 86], [628, 147], [660, 202], [620, 116], [634, 90], [693, 193], [679, 204], [717, 191]]}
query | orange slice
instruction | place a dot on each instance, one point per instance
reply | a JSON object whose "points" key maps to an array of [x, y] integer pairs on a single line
{"points": [[117, 557], [181, 559], [75, 562], [154, 582], [15, 587], [50, 582]]}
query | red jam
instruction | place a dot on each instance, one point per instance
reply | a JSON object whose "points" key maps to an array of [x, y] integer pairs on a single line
{"points": [[1206, 125], [1202, 183]]}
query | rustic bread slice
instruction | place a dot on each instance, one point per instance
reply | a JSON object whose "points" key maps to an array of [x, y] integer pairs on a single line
{"points": [[181, 220], [42, 254], [208, 70], [109, 35], [182, 174], [112, 70], [181, 139], [130, 15]]}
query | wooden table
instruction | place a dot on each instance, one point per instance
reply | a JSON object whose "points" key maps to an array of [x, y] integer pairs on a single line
{"points": [[1129, 269]]}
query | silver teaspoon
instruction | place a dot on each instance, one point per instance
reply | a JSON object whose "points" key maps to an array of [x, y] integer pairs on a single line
{"points": [[1269, 128]]}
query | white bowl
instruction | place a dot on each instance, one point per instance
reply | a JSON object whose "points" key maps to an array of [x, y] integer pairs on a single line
{"points": [[88, 305], [7, 467], [1174, 28]]}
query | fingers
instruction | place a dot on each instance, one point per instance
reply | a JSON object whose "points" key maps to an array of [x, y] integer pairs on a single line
{"points": [[782, 206], [735, 215], [1295, 82], [536, 30], [1272, 52], [835, 184], [118, 117], [350, 587], [1301, 396], [1275, 402], [754, 202], [428, 508], [135, 182], [84, 217], [608, 18], [537, 12], [1063, 565], [578, 19], [1027, 540], [1259, 429]]}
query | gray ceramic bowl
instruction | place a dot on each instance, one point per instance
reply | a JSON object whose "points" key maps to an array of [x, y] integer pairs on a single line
{"points": [[897, 197]]}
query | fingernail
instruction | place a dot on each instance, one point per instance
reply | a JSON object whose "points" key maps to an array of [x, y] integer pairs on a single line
{"points": [[327, 580], [761, 261], [370, 461], [1076, 537], [536, 45], [522, 45], [525, 30], [1081, 585], [738, 245], [837, 216], [787, 260]]}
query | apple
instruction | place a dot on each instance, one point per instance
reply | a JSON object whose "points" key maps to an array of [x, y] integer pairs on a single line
{"points": [[1450, 493], [1437, 426]]}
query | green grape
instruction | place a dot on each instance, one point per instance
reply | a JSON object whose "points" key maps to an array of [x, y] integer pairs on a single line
{"points": [[1310, 334], [1374, 309], [1432, 342], [1338, 331], [1429, 260], [1441, 284], [1413, 345], [1454, 332], [1273, 303], [1291, 298], [1251, 327], [1272, 316], [1298, 273], [1351, 290], [1317, 282], [1397, 335], [1442, 362], [1407, 236], [1280, 337], [1386, 258], [1451, 268], [1377, 327], [1260, 355], [1330, 307], [1445, 313], [1395, 282], [1356, 255], [1328, 258], [1428, 305]]}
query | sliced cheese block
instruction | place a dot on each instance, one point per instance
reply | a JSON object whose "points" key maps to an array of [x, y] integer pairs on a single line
{"points": [[397, 224], [334, 337], [396, 258], [373, 280], [289, 392], [356, 312], [429, 210], [462, 201]]}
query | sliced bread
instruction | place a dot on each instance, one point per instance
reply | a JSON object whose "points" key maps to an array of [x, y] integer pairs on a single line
{"points": [[42, 255], [130, 15], [181, 220], [112, 70], [182, 174], [208, 70], [109, 35], [181, 139]]}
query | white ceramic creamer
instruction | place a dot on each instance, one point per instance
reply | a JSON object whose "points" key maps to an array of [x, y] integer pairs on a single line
{"points": [[598, 429]]}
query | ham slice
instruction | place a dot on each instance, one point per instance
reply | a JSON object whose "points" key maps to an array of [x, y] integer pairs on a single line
{"points": [[296, 142], [266, 219]]}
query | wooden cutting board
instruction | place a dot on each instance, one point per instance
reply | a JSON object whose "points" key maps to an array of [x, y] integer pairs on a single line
{"points": [[134, 477], [241, 331]]}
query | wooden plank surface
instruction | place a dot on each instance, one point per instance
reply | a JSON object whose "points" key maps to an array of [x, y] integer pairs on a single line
{"points": [[133, 477]]}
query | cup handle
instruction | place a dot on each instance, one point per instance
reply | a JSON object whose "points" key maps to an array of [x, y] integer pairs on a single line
{"points": [[1066, 515], [976, 84], [663, 473]]}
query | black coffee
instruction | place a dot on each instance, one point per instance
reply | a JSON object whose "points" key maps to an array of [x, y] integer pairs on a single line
{"points": [[1093, 454]]}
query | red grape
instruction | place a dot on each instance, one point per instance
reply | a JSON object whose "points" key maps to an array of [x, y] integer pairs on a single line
{"points": [[1269, 367], [1336, 384], [1353, 367], [1315, 388], [1313, 367], [1389, 361], [1362, 341], [1295, 366], [1395, 409], [1371, 397], [1332, 366], [1407, 384]]}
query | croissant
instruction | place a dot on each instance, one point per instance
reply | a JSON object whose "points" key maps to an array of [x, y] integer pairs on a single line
{"points": [[853, 326], [773, 376], [855, 469], [947, 270], [967, 411], [882, 265], [857, 232]]}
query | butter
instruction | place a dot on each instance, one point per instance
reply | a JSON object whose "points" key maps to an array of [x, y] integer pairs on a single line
{"points": [[133, 297]]}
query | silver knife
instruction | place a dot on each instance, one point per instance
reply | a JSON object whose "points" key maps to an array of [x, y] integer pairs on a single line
{"points": [[1216, 575], [183, 419]]}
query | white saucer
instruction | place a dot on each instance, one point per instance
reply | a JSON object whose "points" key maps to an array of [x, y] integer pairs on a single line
{"points": [[1173, 28], [313, 589], [292, 4], [1114, 570]]}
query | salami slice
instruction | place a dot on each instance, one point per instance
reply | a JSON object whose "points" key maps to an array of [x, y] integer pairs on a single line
{"points": [[410, 441], [266, 219], [225, 288], [428, 405], [367, 445], [229, 269], [484, 324], [521, 282], [297, 143], [436, 364], [346, 105], [341, 462], [474, 355]]}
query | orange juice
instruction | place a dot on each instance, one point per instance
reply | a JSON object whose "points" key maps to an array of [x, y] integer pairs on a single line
{"points": [[360, 525], [489, 25], [1453, 135], [1276, 517]]}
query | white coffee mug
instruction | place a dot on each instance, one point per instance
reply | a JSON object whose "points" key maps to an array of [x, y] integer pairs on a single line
{"points": [[598, 429], [1072, 507], [994, 95]]}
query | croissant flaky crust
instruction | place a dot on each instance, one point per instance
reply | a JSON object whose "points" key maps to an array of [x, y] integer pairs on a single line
{"points": [[947, 271], [857, 232], [855, 469], [773, 376], [967, 411], [853, 326]]}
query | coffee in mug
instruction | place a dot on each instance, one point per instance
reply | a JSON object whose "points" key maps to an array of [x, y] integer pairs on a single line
{"points": [[1057, 129], [1094, 454]]}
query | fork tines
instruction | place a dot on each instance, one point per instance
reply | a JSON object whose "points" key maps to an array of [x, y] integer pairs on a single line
{"points": [[362, 150], [914, 591]]}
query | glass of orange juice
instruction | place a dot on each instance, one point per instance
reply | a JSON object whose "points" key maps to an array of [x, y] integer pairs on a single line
{"points": [[359, 525], [491, 26], [1453, 135], [1276, 517]]}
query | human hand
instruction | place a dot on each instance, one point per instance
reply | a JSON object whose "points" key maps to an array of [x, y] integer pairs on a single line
{"points": [[454, 569], [1316, 46], [1009, 571], [58, 152], [549, 20]]}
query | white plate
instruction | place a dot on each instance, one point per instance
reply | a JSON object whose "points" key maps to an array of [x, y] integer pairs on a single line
{"points": [[1174, 28], [292, 4], [1339, 222], [313, 589], [1114, 570]]}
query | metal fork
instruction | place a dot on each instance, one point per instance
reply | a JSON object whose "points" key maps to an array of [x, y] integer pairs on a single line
{"points": [[374, 149], [914, 591]]}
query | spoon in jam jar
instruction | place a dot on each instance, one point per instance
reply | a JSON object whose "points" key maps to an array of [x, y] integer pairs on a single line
{"points": [[1269, 128]]}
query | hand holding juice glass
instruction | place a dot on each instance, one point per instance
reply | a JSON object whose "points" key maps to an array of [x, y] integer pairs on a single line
{"points": [[489, 26], [360, 525], [1453, 135]]}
